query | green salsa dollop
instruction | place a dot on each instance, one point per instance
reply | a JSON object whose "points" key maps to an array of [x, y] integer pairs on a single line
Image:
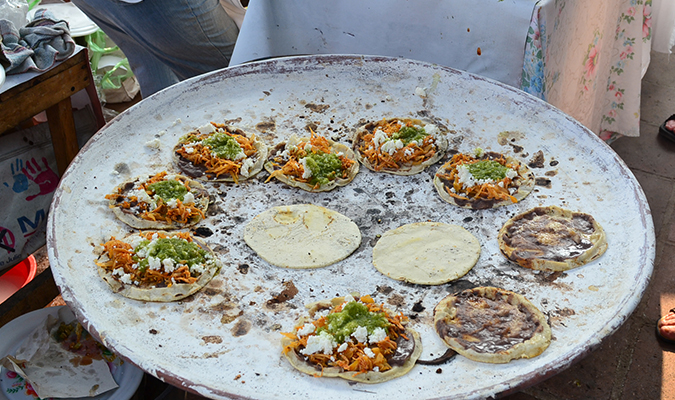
{"points": [[169, 189], [179, 250], [342, 324], [223, 145], [325, 167], [488, 169], [408, 134]]}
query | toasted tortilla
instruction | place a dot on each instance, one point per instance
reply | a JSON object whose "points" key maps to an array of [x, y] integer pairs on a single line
{"points": [[274, 161], [199, 171], [174, 292], [520, 187], [409, 168], [552, 239], [302, 236], [409, 350], [426, 253], [491, 325], [134, 217]]}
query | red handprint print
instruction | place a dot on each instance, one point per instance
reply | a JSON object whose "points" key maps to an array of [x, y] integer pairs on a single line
{"points": [[47, 180]]}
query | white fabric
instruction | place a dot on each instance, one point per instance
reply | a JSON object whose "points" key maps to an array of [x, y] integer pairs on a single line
{"points": [[235, 10], [485, 38], [663, 24]]}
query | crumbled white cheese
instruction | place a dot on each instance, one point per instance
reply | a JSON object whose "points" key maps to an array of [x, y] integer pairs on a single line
{"points": [[409, 151], [154, 263], [369, 352], [421, 91], [246, 167], [379, 138], [378, 335], [118, 271], [323, 342], [322, 313], [153, 144], [306, 329], [208, 128], [431, 129], [169, 265], [126, 278], [173, 203], [391, 146], [349, 298], [376, 369], [189, 198], [141, 195], [306, 171], [360, 334], [342, 347], [511, 173]]}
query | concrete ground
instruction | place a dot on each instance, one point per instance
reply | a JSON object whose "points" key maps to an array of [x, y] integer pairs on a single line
{"points": [[631, 364]]}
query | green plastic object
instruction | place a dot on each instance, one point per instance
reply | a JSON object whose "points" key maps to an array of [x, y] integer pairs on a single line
{"points": [[97, 44]]}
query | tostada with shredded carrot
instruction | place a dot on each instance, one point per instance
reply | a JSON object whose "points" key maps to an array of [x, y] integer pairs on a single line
{"points": [[159, 201], [483, 180], [401, 146], [156, 266], [220, 153], [352, 338], [313, 163]]}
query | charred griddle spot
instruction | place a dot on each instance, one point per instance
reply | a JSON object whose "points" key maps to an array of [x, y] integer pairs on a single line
{"points": [[226, 319], [516, 148], [368, 106], [241, 328], [266, 126], [553, 163], [551, 173], [374, 240], [389, 195], [287, 294], [396, 300], [211, 291], [359, 190], [233, 121], [372, 211], [267, 93], [238, 219], [311, 127], [220, 249], [203, 231], [385, 289], [550, 277], [226, 305], [243, 269], [214, 210], [443, 358], [418, 307], [545, 182], [212, 339], [439, 371], [537, 161], [565, 312], [153, 331], [467, 219]]}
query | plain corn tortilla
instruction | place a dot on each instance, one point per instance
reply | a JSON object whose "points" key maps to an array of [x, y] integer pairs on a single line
{"points": [[302, 236], [426, 253]]}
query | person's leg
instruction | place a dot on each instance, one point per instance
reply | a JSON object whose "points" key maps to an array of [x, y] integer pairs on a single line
{"points": [[152, 74], [190, 37]]}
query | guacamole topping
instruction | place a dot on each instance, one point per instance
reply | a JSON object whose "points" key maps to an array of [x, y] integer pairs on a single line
{"points": [[343, 323], [409, 134], [169, 189], [224, 146], [488, 170], [179, 250], [324, 166]]}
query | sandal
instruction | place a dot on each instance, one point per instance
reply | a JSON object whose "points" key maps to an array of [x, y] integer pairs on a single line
{"points": [[667, 133], [665, 327]]}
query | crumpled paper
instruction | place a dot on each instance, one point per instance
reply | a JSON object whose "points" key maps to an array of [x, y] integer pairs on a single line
{"points": [[55, 371]]}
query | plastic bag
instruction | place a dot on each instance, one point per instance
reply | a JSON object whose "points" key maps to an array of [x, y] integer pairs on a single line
{"points": [[115, 80], [14, 11]]}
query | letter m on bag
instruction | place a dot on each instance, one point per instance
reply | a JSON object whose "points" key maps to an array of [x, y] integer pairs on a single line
{"points": [[29, 227]]}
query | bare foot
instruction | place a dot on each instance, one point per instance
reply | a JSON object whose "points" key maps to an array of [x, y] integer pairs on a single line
{"points": [[666, 326], [670, 125]]}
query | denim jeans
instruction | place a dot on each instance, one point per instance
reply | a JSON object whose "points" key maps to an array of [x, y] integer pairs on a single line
{"points": [[166, 41]]}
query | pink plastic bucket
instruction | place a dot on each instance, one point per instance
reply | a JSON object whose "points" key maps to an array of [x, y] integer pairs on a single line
{"points": [[17, 277]]}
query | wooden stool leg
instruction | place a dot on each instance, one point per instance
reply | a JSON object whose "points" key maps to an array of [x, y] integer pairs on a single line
{"points": [[64, 137]]}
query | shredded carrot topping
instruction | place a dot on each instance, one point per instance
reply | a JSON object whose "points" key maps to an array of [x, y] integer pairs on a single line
{"points": [[120, 254], [354, 357], [410, 154], [181, 212], [490, 191], [201, 155]]}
